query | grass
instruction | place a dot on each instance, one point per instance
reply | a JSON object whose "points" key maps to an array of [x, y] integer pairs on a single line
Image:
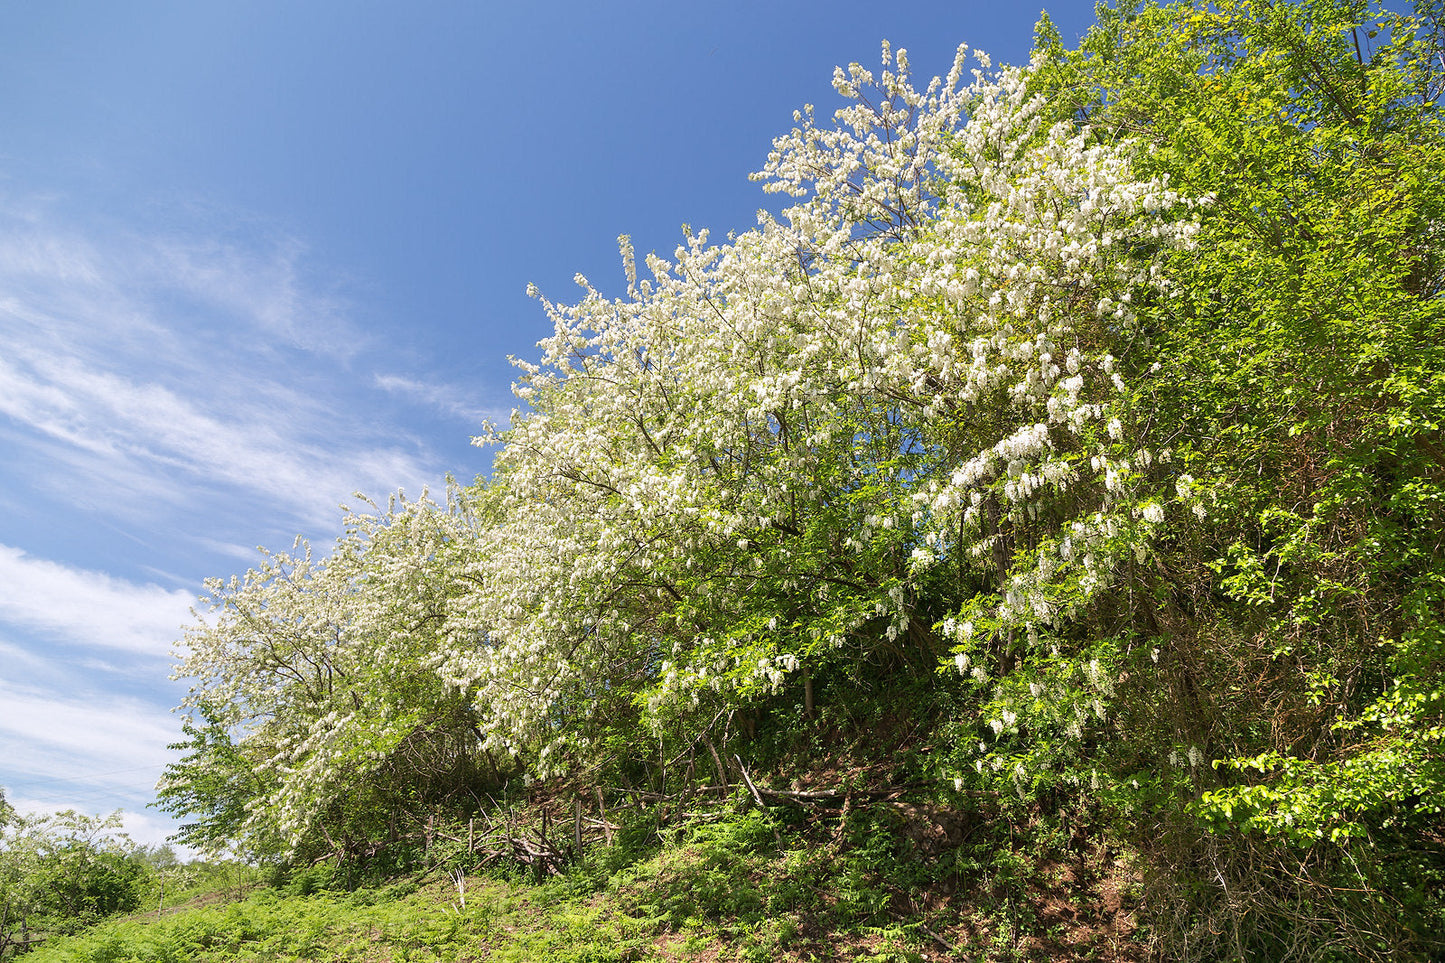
{"points": [[716, 889]]}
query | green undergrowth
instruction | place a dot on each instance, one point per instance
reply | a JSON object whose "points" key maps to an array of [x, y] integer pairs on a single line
{"points": [[863, 885]]}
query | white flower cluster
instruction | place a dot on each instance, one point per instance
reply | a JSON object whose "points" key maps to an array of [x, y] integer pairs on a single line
{"points": [[324, 667], [943, 282], [909, 368]]}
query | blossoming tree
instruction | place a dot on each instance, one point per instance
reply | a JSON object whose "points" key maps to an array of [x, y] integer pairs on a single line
{"points": [[890, 422], [1104, 393]]}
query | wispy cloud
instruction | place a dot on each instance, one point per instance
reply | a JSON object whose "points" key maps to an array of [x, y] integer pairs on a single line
{"points": [[170, 368], [447, 399], [165, 441], [67, 743], [89, 608], [265, 288]]}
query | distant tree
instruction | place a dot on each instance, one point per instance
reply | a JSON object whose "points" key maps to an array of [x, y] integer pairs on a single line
{"points": [[62, 872]]}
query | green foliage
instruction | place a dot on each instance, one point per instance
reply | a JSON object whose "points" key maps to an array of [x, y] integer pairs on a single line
{"points": [[718, 887], [1296, 630], [60, 873], [213, 781], [369, 925]]}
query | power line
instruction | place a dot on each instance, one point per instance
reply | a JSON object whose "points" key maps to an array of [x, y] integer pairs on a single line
{"points": [[46, 780]]}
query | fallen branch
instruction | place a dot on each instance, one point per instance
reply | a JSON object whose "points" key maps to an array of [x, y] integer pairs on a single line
{"points": [[758, 799]]}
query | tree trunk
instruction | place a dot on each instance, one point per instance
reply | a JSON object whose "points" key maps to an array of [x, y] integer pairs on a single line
{"points": [[577, 827]]}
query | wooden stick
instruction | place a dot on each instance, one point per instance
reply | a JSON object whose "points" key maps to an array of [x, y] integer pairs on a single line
{"points": [[602, 815], [777, 836], [577, 828]]}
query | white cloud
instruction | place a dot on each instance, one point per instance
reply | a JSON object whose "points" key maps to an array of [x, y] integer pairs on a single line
{"points": [[15, 655], [113, 744], [143, 828], [166, 371], [264, 287], [88, 607], [152, 429], [172, 397], [447, 399]]}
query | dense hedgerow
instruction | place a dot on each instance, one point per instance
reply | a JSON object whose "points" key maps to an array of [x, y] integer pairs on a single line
{"points": [[1105, 391]]}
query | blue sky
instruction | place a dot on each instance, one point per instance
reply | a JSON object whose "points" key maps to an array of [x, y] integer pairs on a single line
{"points": [[257, 256]]}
